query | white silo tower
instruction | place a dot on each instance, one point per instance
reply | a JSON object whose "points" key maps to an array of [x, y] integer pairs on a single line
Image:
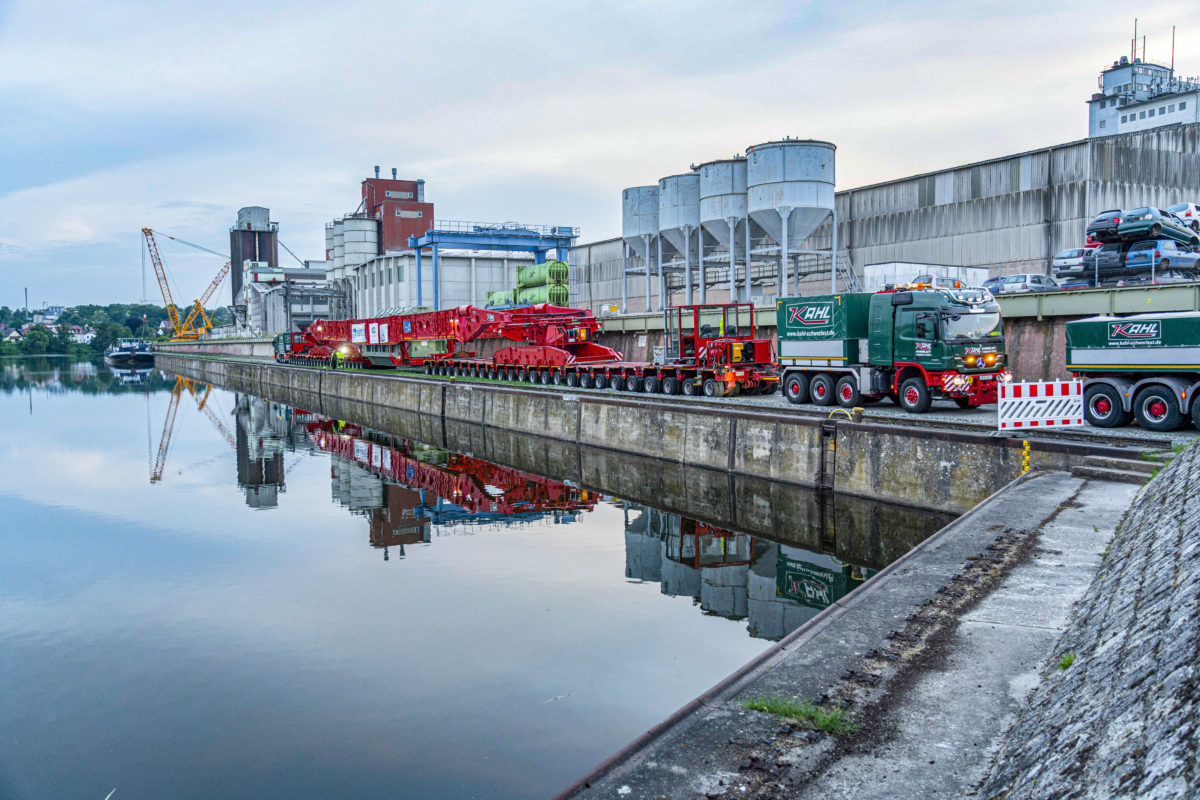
{"points": [[789, 192], [723, 215], [678, 219], [639, 231]]}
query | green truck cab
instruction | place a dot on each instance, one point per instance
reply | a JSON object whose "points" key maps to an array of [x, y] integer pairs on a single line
{"points": [[912, 345], [1145, 366]]}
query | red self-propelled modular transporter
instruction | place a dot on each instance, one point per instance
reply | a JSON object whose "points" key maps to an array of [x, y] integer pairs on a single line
{"points": [[709, 349]]}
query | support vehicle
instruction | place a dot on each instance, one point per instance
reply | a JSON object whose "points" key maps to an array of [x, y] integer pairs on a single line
{"points": [[912, 346], [1144, 367]]}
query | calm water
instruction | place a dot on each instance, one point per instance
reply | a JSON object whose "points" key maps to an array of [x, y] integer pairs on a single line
{"points": [[275, 604]]}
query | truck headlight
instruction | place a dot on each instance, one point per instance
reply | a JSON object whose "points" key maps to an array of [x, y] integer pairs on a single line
{"points": [[989, 359]]}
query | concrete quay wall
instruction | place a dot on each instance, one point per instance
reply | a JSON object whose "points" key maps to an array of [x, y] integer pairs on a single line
{"points": [[937, 469], [1121, 720]]}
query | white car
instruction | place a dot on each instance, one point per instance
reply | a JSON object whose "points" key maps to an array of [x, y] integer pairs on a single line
{"points": [[1068, 262], [1188, 213], [1027, 282]]}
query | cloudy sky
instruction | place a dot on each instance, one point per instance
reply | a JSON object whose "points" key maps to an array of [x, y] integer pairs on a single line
{"points": [[172, 115]]}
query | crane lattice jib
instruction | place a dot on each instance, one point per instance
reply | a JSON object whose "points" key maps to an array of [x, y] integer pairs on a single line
{"points": [[160, 272], [188, 327]]}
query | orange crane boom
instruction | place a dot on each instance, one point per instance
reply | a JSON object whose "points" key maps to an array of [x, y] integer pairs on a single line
{"points": [[160, 272], [198, 306]]}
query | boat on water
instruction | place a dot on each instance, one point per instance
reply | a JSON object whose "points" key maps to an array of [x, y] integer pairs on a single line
{"points": [[127, 352]]}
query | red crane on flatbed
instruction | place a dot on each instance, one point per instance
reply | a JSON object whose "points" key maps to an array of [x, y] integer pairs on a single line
{"points": [[710, 349]]}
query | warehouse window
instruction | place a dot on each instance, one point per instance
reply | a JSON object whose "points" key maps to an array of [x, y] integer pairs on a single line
{"points": [[1103, 123], [1142, 115], [1152, 112], [1183, 105], [1124, 118], [1171, 108]]}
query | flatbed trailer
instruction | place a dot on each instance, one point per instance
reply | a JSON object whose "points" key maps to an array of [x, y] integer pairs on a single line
{"points": [[710, 349]]}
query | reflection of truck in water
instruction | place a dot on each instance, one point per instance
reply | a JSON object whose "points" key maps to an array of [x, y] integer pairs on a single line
{"points": [[1145, 366], [912, 345]]}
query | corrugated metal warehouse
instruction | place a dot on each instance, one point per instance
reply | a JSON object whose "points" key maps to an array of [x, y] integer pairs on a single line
{"points": [[1009, 214]]}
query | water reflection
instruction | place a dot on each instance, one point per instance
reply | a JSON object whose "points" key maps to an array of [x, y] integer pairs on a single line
{"points": [[406, 489], [61, 375]]}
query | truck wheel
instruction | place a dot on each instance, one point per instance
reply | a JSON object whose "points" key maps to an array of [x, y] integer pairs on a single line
{"points": [[671, 386], [586, 381], [769, 387], [572, 380], [1157, 409], [713, 389], [560, 379], [821, 389], [1196, 415], [914, 396], [633, 384], [848, 395], [600, 382], [547, 378], [690, 387], [962, 402], [795, 387], [1102, 407], [652, 385]]}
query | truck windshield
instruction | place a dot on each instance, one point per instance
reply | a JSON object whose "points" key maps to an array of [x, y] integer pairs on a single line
{"points": [[972, 326]]}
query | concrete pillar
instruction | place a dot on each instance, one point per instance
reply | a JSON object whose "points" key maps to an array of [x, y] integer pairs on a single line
{"points": [[687, 263], [785, 216], [732, 223], [624, 278], [420, 288], [833, 274], [647, 265]]}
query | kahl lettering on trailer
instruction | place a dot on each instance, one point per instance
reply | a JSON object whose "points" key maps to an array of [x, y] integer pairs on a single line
{"points": [[1134, 330], [811, 314]]}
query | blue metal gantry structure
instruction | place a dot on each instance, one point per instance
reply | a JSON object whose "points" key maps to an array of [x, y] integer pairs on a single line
{"points": [[501, 236]]}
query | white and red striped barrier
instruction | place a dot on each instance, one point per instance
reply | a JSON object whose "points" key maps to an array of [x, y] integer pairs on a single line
{"points": [[1045, 404]]}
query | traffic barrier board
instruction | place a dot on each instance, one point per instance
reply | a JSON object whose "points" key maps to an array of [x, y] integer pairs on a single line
{"points": [[1044, 404]]}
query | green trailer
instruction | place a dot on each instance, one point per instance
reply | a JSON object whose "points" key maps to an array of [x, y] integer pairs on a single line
{"points": [[1145, 366], [913, 345]]}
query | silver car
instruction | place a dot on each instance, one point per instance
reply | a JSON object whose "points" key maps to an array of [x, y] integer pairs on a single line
{"points": [[1068, 262], [1027, 282], [1188, 213]]}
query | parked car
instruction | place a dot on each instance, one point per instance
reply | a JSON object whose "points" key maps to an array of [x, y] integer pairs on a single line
{"points": [[1189, 213], [1154, 223], [993, 284], [1170, 276], [1106, 259], [1068, 262], [1160, 254], [1027, 282], [1105, 227]]}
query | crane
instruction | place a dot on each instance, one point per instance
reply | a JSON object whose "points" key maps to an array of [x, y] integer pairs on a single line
{"points": [[188, 328], [164, 443]]}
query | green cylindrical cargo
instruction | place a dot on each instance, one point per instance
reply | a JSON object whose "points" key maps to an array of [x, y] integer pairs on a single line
{"points": [[504, 298], [550, 273], [554, 295]]}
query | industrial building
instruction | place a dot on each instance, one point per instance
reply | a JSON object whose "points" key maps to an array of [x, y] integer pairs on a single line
{"points": [[268, 298], [1009, 214], [391, 252]]}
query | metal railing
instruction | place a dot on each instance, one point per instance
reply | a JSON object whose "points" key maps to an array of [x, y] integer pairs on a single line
{"points": [[503, 228]]}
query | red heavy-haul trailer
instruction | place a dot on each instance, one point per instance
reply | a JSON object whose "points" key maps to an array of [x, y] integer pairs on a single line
{"points": [[709, 349]]}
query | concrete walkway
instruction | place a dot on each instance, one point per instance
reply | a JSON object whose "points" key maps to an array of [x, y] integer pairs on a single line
{"points": [[934, 655]]}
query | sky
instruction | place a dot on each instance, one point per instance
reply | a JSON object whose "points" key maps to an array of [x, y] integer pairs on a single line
{"points": [[116, 116]]}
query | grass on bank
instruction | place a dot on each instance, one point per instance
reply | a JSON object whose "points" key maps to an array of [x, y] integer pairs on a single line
{"points": [[828, 720], [1066, 661]]}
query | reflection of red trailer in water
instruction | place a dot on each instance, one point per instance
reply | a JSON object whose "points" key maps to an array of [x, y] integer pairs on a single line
{"points": [[699, 544], [709, 349], [470, 483]]}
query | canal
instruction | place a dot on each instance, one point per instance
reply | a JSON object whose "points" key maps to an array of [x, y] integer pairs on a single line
{"points": [[208, 594]]}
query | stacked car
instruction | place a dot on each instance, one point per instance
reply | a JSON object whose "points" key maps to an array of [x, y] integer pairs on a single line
{"points": [[1141, 245]]}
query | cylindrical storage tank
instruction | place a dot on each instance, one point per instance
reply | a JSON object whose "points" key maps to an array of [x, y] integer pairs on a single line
{"points": [[795, 174], [639, 216], [722, 196], [329, 243], [678, 207], [554, 295], [339, 243], [361, 239]]}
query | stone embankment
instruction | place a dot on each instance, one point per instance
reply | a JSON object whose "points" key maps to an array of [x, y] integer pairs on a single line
{"points": [[1123, 720]]}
